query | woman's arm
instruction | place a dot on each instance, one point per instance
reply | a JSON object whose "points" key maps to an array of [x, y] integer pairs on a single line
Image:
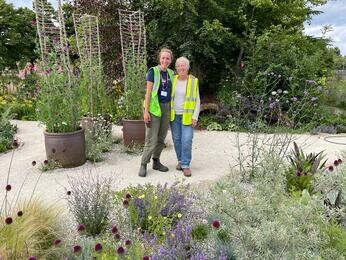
{"points": [[146, 115]]}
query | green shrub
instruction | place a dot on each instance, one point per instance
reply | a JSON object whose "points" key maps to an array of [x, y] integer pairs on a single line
{"points": [[7, 132]]}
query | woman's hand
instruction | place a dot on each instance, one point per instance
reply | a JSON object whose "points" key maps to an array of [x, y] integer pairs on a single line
{"points": [[194, 123], [146, 117]]}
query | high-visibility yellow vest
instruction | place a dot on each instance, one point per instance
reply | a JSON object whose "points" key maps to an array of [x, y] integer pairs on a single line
{"points": [[190, 99], [154, 105]]}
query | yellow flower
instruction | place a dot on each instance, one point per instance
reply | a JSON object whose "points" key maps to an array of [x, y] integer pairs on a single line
{"points": [[150, 217], [155, 197], [142, 196], [179, 215]]}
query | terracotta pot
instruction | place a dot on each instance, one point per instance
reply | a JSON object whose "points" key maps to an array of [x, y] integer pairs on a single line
{"points": [[68, 149], [133, 132]]}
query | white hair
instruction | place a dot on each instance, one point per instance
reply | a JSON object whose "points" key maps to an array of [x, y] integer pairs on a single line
{"points": [[183, 60]]}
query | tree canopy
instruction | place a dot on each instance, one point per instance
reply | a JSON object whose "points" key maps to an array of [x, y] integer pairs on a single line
{"points": [[17, 35]]}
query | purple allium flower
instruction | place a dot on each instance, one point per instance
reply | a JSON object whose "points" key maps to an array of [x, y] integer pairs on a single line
{"points": [[68, 192], [114, 230], [331, 168], [128, 196], [298, 174], [339, 161], [57, 242], [305, 173], [128, 243], [77, 249], [8, 187], [117, 236], [81, 228], [33, 163], [164, 212], [45, 162], [336, 163], [98, 247], [125, 203], [20, 213], [31, 258], [8, 220], [145, 257], [120, 250], [216, 224]]}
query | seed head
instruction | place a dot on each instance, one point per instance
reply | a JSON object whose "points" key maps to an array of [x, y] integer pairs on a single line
{"points": [[8, 187], [33, 163], [331, 168], [114, 230], [20, 213], [81, 228], [8, 220], [77, 249], [216, 224], [128, 196], [120, 250], [125, 203], [57, 242], [31, 258], [145, 257], [128, 243], [98, 247]]}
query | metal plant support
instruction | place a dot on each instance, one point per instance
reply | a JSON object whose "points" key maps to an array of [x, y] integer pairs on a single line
{"points": [[132, 35], [88, 43], [52, 35]]}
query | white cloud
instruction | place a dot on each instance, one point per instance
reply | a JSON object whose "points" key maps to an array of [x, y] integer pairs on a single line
{"points": [[28, 3], [334, 15]]}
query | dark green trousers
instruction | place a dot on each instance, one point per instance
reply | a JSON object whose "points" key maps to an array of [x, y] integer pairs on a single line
{"points": [[156, 133]]}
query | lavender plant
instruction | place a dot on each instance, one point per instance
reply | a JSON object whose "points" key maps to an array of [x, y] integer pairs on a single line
{"points": [[156, 209], [90, 201]]}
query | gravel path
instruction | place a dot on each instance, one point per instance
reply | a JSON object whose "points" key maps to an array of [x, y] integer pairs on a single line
{"points": [[214, 154]]}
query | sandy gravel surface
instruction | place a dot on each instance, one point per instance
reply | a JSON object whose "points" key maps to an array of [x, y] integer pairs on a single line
{"points": [[214, 154]]}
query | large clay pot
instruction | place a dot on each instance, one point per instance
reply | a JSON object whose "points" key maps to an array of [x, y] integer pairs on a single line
{"points": [[68, 149], [133, 132]]}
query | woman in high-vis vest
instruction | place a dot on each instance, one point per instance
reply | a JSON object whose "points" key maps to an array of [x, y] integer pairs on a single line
{"points": [[185, 107], [157, 109]]}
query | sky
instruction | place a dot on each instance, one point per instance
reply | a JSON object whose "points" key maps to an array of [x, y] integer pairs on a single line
{"points": [[334, 14]]}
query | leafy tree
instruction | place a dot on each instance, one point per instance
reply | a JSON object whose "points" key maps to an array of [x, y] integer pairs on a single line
{"points": [[17, 35]]}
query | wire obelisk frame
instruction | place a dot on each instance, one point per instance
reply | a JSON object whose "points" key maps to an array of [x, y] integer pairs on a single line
{"points": [[88, 44], [132, 35], [52, 34]]}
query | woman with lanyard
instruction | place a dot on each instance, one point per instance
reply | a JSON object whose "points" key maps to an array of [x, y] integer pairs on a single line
{"points": [[157, 109]]}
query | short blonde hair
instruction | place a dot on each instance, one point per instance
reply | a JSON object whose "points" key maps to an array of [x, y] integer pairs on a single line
{"points": [[165, 50], [183, 60]]}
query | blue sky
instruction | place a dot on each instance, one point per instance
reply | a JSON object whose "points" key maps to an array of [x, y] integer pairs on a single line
{"points": [[334, 14]]}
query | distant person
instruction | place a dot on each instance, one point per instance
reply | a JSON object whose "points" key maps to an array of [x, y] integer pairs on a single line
{"points": [[185, 105], [157, 108]]}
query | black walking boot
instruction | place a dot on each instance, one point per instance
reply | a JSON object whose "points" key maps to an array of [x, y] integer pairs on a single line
{"points": [[159, 166], [143, 170]]}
